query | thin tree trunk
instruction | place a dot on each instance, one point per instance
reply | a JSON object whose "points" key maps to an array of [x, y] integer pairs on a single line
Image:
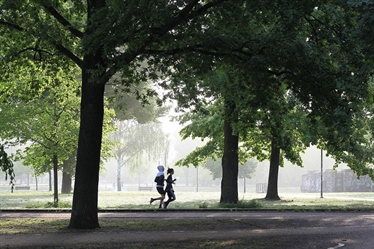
{"points": [[50, 180], [272, 191], [66, 183], [119, 185], [55, 181], [67, 168]]}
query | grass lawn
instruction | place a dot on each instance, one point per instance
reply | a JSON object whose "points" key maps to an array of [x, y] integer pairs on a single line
{"points": [[185, 200], [193, 200], [51, 227]]}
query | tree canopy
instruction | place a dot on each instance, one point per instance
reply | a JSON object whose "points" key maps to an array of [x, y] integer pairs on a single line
{"points": [[311, 53]]}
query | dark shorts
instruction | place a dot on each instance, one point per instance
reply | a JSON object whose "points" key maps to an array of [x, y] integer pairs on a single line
{"points": [[160, 190], [171, 194]]}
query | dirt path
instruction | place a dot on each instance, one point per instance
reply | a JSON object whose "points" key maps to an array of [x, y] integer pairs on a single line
{"points": [[238, 229]]}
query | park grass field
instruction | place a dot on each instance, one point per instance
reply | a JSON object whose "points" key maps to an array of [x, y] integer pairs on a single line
{"points": [[193, 200], [297, 202]]}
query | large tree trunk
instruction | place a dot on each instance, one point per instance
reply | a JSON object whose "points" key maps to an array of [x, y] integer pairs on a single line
{"points": [[272, 191], [230, 160], [84, 211], [85, 199]]}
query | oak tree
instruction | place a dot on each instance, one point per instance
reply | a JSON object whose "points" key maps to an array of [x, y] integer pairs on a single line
{"points": [[101, 38]]}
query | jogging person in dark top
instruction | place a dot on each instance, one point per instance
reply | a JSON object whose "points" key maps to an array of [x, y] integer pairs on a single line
{"points": [[169, 187], [160, 179]]}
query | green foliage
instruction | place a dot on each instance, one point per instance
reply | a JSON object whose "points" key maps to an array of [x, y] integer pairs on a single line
{"points": [[302, 80], [129, 102], [215, 167], [48, 124], [278, 117], [365, 23], [136, 143], [357, 150]]}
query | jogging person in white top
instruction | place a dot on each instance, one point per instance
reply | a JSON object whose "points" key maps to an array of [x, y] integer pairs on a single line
{"points": [[160, 179]]}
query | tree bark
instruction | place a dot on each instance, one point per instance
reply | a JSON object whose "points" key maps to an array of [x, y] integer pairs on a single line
{"points": [[84, 214], [50, 180], [230, 160], [119, 167], [67, 170], [66, 183], [55, 181], [272, 190], [84, 211]]}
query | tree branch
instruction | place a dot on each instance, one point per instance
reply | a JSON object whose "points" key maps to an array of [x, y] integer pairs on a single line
{"points": [[11, 25], [34, 50], [183, 14], [69, 54], [175, 21], [200, 49], [279, 73], [63, 21], [58, 46]]}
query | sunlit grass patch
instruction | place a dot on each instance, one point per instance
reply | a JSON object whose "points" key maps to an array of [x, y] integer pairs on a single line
{"points": [[140, 200], [191, 200], [38, 226], [41, 226], [61, 204], [14, 226], [296, 203], [30, 199]]}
